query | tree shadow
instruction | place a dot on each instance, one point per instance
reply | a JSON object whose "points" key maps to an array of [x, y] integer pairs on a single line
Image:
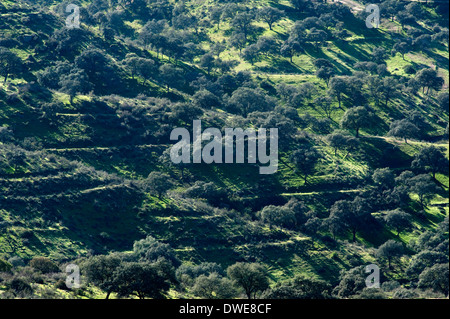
{"points": [[279, 65], [327, 268], [379, 153], [441, 61], [318, 53], [358, 27], [351, 50]]}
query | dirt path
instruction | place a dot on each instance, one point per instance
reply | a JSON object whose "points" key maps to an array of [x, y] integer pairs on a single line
{"points": [[70, 193], [324, 192], [401, 141], [353, 5], [104, 148]]}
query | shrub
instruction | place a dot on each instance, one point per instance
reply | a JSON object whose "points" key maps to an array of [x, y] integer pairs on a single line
{"points": [[19, 287], [214, 287], [61, 284], [390, 285], [5, 266], [26, 234], [409, 69], [194, 271], [150, 249], [44, 265], [16, 261], [370, 293], [300, 287], [403, 293]]}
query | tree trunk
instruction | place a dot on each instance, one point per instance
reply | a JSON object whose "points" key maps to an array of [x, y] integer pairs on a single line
{"points": [[354, 235]]}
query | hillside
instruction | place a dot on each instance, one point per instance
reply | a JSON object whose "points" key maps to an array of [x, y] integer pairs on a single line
{"points": [[86, 177]]}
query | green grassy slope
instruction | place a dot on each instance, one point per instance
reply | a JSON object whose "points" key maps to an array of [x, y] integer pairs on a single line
{"points": [[71, 187]]}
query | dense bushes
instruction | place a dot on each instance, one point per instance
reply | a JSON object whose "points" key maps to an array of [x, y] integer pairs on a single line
{"points": [[43, 265]]}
